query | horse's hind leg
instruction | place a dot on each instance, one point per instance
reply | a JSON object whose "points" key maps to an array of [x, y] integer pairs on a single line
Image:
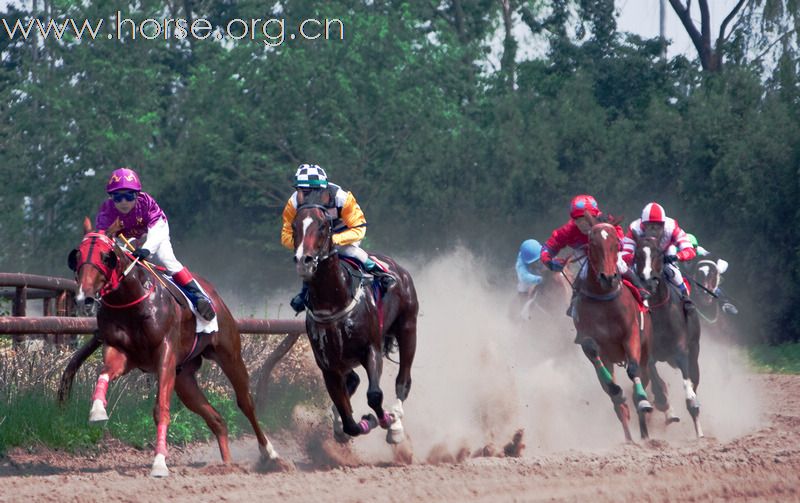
{"points": [[659, 388], [234, 368], [190, 394], [115, 364], [407, 347], [692, 403]]}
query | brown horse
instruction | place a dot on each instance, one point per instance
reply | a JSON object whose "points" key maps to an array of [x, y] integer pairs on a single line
{"points": [[676, 332], [347, 327], [611, 327], [142, 324], [545, 299]]}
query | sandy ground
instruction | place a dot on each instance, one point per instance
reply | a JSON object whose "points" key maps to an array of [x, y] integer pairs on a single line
{"points": [[762, 465]]}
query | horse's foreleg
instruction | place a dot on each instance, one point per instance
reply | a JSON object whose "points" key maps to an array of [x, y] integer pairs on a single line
{"points": [[373, 363], [334, 383], [606, 378], [115, 364], [166, 384]]}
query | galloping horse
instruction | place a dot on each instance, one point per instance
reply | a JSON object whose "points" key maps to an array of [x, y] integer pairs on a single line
{"points": [[676, 332], [611, 327], [348, 326], [142, 324]]}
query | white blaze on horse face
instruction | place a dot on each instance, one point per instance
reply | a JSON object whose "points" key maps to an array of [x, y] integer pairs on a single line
{"points": [[647, 271], [80, 296], [299, 253], [604, 234]]}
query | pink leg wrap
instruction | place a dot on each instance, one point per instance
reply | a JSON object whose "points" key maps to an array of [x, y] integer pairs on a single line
{"points": [[161, 439], [100, 389], [364, 426], [386, 420]]}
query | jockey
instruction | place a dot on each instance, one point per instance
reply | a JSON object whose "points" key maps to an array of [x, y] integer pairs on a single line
{"points": [[527, 258], [575, 234], [722, 266], [349, 226], [137, 214], [655, 223]]}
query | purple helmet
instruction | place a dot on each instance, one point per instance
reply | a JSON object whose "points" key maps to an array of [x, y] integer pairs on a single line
{"points": [[123, 179]]}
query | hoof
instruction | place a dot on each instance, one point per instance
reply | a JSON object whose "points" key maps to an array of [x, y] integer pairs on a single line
{"points": [[672, 419], [644, 406], [276, 465], [693, 406], [98, 412], [368, 423], [159, 467], [338, 428], [614, 389]]}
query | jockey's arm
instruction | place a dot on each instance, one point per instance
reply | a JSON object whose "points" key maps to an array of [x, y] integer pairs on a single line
{"points": [[524, 275], [628, 247], [554, 244], [681, 242], [354, 219], [289, 212]]}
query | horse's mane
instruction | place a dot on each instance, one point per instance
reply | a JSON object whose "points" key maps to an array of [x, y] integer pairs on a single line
{"points": [[605, 218]]}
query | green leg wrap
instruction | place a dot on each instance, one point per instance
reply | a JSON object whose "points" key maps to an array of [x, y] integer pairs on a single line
{"points": [[602, 373], [639, 389]]}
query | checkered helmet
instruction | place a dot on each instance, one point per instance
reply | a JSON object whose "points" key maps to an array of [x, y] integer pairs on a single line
{"points": [[310, 176]]}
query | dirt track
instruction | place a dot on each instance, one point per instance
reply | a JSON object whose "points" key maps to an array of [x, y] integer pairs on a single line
{"points": [[762, 465]]}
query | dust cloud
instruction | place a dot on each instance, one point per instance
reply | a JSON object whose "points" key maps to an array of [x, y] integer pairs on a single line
{"points": [[480, 374]]}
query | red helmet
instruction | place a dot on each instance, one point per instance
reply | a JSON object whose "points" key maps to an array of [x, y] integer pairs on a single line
{"points": [[654, 212], [582, 204]]}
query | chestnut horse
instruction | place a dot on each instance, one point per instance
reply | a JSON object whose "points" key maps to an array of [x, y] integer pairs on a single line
{"points": [[347, 326], [676, 332], [611, 327], [141, 324]]}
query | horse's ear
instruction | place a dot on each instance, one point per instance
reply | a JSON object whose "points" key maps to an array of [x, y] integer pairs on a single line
{"points": [[301, 198], [87, 225], [110, 259], [72, 260]]}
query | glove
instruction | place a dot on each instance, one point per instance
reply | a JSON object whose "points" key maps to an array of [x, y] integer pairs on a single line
{"points": [[670, 259], [556, 265], [141, 253], [686, 254]]}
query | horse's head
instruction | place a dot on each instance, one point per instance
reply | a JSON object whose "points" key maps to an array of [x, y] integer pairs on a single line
{"points": [[312, 231], [707, 273], [602, 256], [96, 251], [649, 261]]}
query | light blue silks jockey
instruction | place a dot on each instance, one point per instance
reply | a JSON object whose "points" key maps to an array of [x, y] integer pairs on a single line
{"points": [[529, 252]]}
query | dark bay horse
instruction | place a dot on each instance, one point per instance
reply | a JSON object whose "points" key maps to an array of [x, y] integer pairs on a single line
{"points": [[549, 297], [611, 327], [141, 324], [346, 327], [676, 332]]}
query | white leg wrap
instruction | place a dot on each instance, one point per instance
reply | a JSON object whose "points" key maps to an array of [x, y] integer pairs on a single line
{"points": [[269, 452], [98, 412], [396, 433], [689, 389], [159, 466]]}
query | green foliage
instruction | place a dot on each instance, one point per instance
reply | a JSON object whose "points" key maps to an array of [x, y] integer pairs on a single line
{"points": [[781, 358], [407, 113]]}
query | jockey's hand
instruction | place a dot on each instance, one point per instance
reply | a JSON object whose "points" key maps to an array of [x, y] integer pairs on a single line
{"points": [[556, 265], [141, 253], [670, 259]]}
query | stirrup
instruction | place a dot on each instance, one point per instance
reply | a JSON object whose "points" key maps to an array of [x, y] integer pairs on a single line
{"points": [[298, 303]]}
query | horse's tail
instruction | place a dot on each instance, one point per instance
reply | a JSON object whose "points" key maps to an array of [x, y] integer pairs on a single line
{"points": [[74, 364]]}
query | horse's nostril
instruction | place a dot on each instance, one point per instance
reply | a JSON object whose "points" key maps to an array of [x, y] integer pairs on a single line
{"points": [[295, 259], [307, 259], [89, 301]]}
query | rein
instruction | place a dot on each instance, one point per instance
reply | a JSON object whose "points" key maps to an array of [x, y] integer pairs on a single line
{"points": [[130, 304]]}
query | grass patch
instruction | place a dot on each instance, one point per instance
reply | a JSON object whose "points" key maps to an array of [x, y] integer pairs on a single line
{"points": [[778, 359]]}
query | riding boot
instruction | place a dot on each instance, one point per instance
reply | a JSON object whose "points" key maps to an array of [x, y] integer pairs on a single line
{"points": [[725, 301], [637, 282], [386, 279], [199, 300], [298, 302], [688, 305]]}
